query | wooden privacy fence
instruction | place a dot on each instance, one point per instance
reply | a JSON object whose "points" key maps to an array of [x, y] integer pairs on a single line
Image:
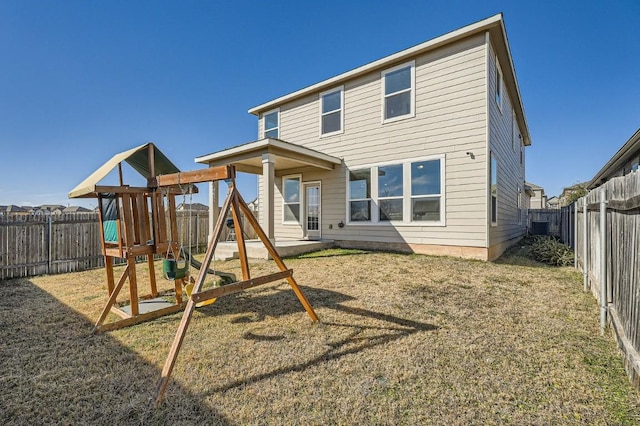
{"points": [[607, 231], [558, 223], [37, 245]]}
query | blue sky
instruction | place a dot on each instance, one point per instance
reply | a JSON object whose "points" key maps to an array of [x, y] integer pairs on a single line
{"points": [[83, 80]]}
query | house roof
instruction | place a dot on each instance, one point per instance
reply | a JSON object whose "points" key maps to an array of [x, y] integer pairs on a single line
{"points": [[193, 206], [248, 157], [75, 209], [137, 157], [533, 186], [494, 25], [624, 154], [13, 209]]}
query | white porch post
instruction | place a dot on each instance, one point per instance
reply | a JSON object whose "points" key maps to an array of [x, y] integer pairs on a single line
{"points": [[268, 181], [214, 208]]}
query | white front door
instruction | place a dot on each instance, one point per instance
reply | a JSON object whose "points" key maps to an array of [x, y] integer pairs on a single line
{"points": [[312, 210]]}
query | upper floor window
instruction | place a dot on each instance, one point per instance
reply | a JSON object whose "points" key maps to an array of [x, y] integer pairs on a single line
{"points": [[498, 85], [271, 124], [331, 112], [398, 92]]}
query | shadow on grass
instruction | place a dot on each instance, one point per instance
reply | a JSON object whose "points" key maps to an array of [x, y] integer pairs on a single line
{"points": [[362, 336], [53, 370]]}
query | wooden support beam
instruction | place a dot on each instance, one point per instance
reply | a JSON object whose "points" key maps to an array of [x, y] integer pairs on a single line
{"points": [[133, 286], [112, 298], [193, 176], [140, 318], [121, 189], [213, 293], [152, 276], [108, 265], [242, 248]]}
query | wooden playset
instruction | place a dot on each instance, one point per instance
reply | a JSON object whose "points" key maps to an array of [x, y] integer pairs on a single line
{"points": [[140, 222]]}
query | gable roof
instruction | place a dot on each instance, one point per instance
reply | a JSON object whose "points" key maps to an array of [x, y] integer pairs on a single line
{"points": [[137, 157], [494, 25]]}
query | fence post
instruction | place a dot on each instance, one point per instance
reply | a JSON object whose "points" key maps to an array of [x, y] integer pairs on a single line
{"points": [[585, 221], [575, 232], [198, 232], [49, 232], [603, 261]]}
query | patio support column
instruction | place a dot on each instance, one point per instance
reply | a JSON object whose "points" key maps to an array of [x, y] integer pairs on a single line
{"points": [[214, 208], [268, 181]]}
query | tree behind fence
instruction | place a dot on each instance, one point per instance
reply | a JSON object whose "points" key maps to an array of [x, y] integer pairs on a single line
{"points": [[37, 245]]}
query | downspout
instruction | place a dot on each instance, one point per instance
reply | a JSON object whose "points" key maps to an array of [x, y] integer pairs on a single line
{"points": [[585, 262], [603, 261]]}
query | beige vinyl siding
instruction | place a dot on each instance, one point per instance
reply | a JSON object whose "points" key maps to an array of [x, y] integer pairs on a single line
{"points": [[450, 120], [510, 171]]}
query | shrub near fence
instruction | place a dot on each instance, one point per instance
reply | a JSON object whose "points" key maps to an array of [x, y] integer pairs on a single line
{"points": [[36, 245]]}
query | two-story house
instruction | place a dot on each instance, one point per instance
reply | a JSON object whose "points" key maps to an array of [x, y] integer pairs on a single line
{"points": [[420, 151]]}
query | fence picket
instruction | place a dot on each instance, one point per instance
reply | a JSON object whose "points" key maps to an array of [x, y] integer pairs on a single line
{"points": [[37, 245]]}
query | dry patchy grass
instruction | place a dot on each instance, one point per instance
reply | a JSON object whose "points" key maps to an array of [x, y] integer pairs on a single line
{"points": [[403, 339]]}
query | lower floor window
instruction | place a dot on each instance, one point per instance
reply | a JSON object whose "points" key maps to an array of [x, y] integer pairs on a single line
{"points": [[409, 191]]}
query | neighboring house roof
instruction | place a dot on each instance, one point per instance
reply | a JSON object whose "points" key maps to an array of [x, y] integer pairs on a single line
{"points": [[494, 25], [193, 207], [13, 209], [50, 207], [75, 209], [534, 186], [553, 201], [138, 158], [630, 149]]}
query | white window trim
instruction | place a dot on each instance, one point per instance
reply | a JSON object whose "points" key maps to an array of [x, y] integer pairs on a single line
{"points": [[264, 123], [412, 113], [406, 194], [322, 114], [300, 195], [499, 89]]}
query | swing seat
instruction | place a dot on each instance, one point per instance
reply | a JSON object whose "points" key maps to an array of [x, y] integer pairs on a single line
{"points": [[175, 270]]}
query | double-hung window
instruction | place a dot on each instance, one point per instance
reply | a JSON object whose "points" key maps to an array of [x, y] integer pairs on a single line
{"points": [[291, 199], [398, 92], [426, 191], [390, 192], [360, 195], [406, 192], [331, 112], [272, 124]]}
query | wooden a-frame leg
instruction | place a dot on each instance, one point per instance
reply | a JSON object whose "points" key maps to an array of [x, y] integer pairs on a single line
{"points": [[242, 248], [186, 316], [112, 299]]}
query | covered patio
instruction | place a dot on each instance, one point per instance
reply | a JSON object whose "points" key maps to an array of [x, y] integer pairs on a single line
{"points": [[269, 158]]}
